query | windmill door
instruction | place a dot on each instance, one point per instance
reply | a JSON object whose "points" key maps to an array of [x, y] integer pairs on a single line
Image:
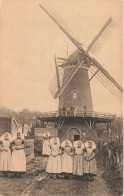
{"points": [[73, 134]]}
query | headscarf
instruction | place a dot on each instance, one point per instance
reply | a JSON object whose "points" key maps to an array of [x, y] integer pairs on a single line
{"points": [[75, 144], [3, 136], [88, 143], [46, 133], [15, 135], [63, 143], [52, 140]]}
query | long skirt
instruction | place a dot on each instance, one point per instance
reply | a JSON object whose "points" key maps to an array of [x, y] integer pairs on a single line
{"points": [[46, 149], [90, 166], [67, 163], [54, 164], [5, 159], [18, 161], [78, 165]]}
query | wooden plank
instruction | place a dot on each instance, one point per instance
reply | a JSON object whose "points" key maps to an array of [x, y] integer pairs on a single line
{"points": [[93, 75]]}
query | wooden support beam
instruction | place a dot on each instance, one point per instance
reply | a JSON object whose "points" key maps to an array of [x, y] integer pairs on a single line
{"points": [[93, 75], [61, 124], [57, 73], [86, 123]]}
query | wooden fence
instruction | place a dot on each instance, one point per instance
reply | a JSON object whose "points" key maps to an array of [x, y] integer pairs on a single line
{"points": [[29, 149]]}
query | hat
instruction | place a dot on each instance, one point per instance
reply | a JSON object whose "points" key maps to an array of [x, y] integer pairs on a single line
{"points": [[52, 140], [90, 143], [75, 144], [15, 135], [64, 142], [3, 136], [46, 133]]}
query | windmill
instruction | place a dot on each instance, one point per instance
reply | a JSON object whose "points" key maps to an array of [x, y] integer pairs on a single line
{"points": [[72, 83]]}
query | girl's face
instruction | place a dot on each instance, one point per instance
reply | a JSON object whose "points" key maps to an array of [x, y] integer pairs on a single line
{"points": [[46, 135], [90, 144], [66, 144], [55, 141], [18, 135], [6, 136], [79, 144]]}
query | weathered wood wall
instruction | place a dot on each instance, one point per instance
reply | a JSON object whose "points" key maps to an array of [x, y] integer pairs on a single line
{"points": [[29, 149]]}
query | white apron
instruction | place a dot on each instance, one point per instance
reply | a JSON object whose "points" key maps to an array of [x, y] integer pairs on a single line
{"points": [[5, 156], [54, 161], [18, 160]]}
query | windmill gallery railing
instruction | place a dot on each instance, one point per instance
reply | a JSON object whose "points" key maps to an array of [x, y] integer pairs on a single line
{"points": [[76, 114]]}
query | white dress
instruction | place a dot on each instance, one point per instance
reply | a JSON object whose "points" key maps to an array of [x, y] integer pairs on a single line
{"points": [[78, 165], [54, 161], [46, 148], [90, 166], [18, 159], [67, 160], [5, 156]]}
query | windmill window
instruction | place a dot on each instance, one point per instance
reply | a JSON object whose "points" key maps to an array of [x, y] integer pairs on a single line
{"points": [[76, 137], [85, 108], [74, 94]]}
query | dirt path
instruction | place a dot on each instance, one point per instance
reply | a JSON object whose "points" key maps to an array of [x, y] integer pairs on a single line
{"points": [[67, 187], [35, 183]]}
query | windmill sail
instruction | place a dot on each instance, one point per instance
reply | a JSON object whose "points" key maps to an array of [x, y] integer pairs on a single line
{"points": [[57, 73], [53, 87], [107, 82], [103, 76], [60, 23], [102, 36]]}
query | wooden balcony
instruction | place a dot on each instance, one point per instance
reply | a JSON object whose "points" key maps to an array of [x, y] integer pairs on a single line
{"points": [[97, 116]]}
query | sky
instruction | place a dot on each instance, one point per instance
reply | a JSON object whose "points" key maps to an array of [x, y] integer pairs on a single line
{"points": [[29, 39]]}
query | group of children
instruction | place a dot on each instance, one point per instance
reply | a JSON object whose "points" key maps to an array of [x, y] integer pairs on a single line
{"points": [[67, 159], [12, 155]]}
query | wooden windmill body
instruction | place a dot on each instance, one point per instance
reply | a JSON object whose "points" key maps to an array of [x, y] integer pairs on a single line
{"points": [[76, 118]]}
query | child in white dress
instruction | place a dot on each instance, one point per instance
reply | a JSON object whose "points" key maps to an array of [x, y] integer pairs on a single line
{"points": [[46, 144], [67, 158], [54, 162], [5, 159], [90, 168], [18, 160], [78, 165]]}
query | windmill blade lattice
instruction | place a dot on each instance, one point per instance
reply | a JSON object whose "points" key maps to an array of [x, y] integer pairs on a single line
{"points": [[95, 46], [47, 8], [102, 36], [53, 87], [108, 84]]}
